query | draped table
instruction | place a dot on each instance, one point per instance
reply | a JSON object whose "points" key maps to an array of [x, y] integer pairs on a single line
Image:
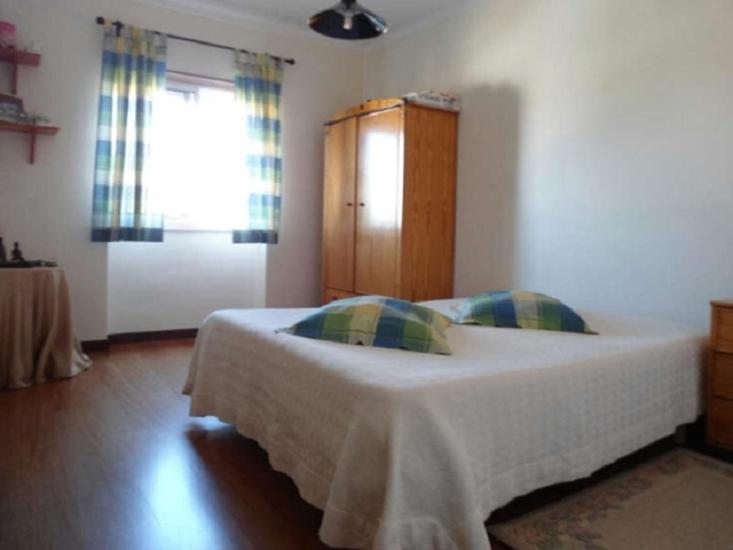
{"points": [[37, 340]]}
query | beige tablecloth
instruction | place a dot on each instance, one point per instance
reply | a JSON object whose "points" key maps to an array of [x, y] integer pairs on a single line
{"points": [[37, 340]]}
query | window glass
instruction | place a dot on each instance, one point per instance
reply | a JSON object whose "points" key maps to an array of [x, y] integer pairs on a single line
{"points": [[198, 158]]}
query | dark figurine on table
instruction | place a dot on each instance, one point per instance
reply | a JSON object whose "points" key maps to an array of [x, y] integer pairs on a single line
{"points": [[16, 255]]}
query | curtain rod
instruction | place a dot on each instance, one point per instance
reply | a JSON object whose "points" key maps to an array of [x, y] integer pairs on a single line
{"points": [[119, 25]]}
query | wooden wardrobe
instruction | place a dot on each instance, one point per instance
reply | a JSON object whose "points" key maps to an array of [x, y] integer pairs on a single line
{"points": [[389, 201]]}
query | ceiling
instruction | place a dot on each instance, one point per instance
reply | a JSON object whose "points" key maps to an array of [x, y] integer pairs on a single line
{"points": [[399, 14]]}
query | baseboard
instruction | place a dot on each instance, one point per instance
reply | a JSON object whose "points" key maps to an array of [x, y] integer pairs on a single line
{"points": [[130, 337], [149, 336], [88, 346]]}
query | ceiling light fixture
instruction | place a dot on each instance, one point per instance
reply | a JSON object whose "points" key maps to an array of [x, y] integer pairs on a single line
{"points": [[349, 21]]}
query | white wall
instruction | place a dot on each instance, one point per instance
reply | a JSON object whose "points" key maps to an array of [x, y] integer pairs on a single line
{"points": [[595, 147], [594, 155], [176, 284], [47, 206]]}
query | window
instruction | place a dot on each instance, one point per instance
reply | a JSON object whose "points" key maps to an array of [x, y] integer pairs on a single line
{"points": [[198, 160]]}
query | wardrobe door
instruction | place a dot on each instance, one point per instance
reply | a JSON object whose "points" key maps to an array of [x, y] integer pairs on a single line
{"points": [[379, 202], [338, 205], [429, 203]]}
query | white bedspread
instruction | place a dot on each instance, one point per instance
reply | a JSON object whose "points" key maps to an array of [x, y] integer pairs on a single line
{"points": [[405, 450]]}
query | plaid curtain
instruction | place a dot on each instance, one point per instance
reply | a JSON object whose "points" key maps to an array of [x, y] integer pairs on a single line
{"points": [[133, 73], [258, 87]]}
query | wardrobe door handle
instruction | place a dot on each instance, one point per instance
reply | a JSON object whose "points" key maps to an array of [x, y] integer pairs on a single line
{"points": [[349, 204], [362, 204]]}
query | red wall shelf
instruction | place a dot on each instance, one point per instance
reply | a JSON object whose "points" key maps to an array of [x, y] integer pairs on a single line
{"points": [[20, 57], [32, 130]]}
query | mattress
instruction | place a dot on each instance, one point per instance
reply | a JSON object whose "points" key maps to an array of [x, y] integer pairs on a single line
{"points": [[407, 450]]}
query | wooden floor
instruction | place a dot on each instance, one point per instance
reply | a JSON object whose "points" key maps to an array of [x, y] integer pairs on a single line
{"points": [[111, 460]]}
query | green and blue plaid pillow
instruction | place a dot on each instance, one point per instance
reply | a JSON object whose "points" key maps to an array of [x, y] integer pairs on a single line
{"points": [[520, 309], [377, 321]]}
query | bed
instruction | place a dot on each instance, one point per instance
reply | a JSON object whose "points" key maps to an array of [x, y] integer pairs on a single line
{"points": [[407, 450]]}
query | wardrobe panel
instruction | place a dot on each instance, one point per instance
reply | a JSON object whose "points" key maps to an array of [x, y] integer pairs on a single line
{"points": [[379, 202], [429, 203], [339, 199]]}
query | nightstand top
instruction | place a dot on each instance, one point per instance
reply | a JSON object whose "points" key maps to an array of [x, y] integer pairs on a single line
{"points": [[722, 303]]}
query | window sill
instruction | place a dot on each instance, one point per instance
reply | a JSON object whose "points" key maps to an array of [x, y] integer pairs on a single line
{"points": [[195, 230]]}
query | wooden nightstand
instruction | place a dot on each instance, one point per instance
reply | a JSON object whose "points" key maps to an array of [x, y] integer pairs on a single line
{"points": [[720, 376]]}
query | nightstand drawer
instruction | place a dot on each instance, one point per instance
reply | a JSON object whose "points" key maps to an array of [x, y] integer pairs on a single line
{"points": [[720, 422], [721, 379], [722, 339]]}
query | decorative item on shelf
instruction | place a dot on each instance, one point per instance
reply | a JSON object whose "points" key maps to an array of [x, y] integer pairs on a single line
{"points": [[10, 107], [16, 255], [7, 34], [39, 120], [348, 20], [430, 98], [11, 110], [17, 260]]}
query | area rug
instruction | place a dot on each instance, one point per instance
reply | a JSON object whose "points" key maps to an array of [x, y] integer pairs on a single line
{"points": [[678, 501]]}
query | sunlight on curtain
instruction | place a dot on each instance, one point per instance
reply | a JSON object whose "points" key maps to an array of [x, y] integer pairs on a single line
{"points": [[258, 88]]}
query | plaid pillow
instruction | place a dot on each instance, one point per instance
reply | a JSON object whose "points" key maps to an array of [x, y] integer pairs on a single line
{"points": [[377, 321], [519, 309]]}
